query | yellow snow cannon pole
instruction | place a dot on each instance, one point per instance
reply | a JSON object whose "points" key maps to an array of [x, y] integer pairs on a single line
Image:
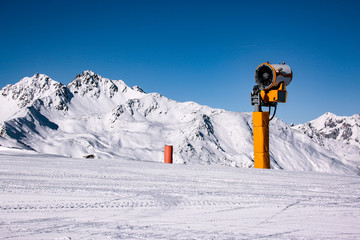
{"points": [[271, 81], [261, 139]]}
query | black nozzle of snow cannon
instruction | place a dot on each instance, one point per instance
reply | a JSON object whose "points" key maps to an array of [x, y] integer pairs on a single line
{"points": [[264, 76]]}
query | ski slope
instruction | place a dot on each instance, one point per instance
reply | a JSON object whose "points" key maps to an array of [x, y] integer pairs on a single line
{"points": [[53, 197]]}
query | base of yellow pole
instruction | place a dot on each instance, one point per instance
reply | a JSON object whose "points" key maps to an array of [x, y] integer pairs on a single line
{"points": [[261, 139], [262, 160]]}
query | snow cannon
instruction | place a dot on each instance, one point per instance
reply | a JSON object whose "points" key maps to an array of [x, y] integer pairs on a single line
{"points": [[269, 76], [271, 81]]}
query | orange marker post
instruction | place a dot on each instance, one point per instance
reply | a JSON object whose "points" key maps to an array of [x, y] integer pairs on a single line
{"points": [[168, 154]]}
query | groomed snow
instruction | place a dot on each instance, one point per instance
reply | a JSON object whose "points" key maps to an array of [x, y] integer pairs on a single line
{"points": [[52, 197]]}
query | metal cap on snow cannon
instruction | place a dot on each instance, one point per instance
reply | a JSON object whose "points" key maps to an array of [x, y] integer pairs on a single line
{"points": [[271, 75]]}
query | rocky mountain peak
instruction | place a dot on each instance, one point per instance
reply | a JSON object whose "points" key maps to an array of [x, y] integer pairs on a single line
{"points": [[29, 89], [138, 89], [87, 77], [90, 83], [333, 127]]}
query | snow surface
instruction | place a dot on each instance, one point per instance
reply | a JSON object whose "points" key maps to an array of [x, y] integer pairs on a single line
{"points": [[52, 197]]}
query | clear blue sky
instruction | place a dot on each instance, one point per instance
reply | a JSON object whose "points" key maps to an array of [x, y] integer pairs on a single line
{"points": [[202, 51]]}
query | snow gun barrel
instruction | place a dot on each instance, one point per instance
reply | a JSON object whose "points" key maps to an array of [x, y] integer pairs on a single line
{"points": [[269, 76]]}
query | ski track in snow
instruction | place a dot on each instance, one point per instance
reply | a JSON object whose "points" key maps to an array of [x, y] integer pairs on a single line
{"points": [[51, 197]]}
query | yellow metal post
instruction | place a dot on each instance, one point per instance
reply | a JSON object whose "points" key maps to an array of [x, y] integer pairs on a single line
{"points": [[261, 139]]}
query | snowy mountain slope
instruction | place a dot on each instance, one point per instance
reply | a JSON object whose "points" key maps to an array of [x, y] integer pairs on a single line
{"points": [[97, 116], [93, 94], [338, 134], [15, 98], [332, 127]]}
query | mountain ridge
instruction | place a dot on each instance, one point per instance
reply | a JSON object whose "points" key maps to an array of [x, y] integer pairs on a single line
{"points": [[331, 126], [108, 119]]}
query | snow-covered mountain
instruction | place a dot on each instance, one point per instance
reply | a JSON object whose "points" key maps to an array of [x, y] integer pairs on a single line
{"points": [[338, 134], [332, 127], [22, 94], [96, 116]]}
